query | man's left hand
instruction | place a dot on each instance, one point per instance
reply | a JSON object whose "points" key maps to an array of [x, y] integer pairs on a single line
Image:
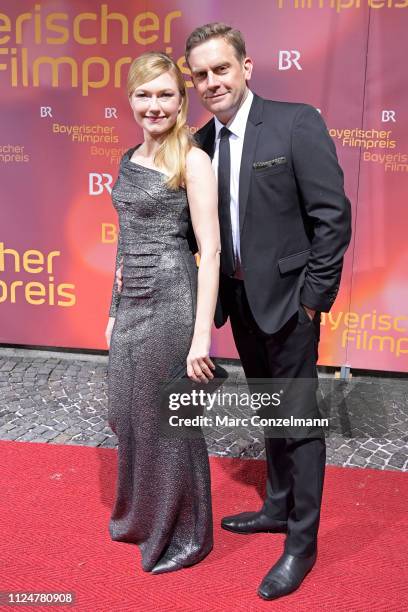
{"points": [[310, 312]]}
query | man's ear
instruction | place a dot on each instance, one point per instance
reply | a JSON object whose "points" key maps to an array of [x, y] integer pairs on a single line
{"points": [[248, 67]]}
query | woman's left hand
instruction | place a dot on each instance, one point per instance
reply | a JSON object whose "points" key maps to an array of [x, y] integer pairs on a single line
{"points": [[199, 364]]}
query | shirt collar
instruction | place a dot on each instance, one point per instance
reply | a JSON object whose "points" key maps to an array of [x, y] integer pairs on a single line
{"points": [[238, 123]]}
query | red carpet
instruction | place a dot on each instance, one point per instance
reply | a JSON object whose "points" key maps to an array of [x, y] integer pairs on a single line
{"points": [[56, 503]]}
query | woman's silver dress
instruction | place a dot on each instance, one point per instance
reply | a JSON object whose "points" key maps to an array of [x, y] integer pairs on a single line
{"points": [[163, 498]]}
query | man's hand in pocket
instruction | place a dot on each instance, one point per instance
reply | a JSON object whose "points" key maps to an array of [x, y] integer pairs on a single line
{"points": [[310, 312]]}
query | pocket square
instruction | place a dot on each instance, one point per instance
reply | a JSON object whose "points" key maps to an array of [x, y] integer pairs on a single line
{"points": [[270, 162]]}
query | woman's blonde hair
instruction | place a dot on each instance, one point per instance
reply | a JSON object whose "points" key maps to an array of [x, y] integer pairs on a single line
{"points": [[172, 153]]}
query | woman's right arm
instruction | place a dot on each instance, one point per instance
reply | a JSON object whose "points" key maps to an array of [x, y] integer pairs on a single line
{"points": [[116, 289]]}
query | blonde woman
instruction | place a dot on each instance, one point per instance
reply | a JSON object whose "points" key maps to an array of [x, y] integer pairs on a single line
{"points": [[161, 318]]}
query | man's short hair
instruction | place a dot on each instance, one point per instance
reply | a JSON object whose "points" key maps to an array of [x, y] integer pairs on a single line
{"points": [[217, 30]]}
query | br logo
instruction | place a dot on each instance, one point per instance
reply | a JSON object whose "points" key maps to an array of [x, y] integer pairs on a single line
{"points": [[99, 182], [388, 115], [287, 59], [111, 113]]}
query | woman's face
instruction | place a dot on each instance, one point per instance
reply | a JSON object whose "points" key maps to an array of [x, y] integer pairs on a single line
{"points": [[156, 104]]}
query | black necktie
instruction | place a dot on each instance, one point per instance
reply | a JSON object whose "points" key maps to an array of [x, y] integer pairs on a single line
{"points": [[224, 202]]}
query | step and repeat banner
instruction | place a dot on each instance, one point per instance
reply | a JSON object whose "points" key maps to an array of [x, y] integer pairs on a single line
{"points": [[65, 122]]}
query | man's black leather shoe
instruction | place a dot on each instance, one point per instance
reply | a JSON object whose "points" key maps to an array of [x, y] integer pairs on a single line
{"points": [[252, 522], [285, 576]]}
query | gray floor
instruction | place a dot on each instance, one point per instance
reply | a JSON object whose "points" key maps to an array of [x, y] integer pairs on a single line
{"points": [[61, 398]]}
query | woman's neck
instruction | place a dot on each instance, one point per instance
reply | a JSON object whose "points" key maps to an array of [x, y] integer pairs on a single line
{"points": [[150, 146]]}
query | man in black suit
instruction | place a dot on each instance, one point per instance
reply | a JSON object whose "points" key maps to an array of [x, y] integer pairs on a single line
{"points": [[285, 225]]}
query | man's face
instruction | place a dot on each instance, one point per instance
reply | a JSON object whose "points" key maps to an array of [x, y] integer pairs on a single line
{"points": [[219, 77]]}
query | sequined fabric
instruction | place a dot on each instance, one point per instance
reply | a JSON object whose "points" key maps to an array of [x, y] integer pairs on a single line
{"points": [[163, 499]]}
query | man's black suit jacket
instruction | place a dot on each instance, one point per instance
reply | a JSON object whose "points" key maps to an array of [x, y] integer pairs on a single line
{"points": [[294, 217]]}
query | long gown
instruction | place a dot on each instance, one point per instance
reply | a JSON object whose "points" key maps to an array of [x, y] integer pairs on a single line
{"points": [[163, 498]]}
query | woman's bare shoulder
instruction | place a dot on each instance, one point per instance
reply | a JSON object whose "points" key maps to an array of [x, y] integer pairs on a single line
{"points": [[195, 158]]}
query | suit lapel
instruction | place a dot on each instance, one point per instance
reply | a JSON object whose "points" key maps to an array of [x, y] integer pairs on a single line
{"points": [[253, 128]]}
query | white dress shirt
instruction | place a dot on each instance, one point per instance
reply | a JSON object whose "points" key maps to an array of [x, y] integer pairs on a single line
{"points": [[237, 126]]}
